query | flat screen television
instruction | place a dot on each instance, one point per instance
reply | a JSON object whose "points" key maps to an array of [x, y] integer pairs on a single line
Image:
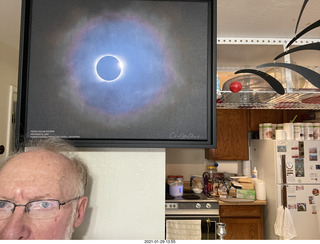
{"points": [[118, 73]]}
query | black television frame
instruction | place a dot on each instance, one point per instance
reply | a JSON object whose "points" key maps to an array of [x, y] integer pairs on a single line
{"points": [[23, 83]]}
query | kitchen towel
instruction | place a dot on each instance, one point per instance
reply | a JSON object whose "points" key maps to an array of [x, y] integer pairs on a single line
{"points": [[283, 226], [183, 229]]}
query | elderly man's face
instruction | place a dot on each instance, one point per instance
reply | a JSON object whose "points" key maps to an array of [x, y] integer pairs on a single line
{"points": [[38, 175]]}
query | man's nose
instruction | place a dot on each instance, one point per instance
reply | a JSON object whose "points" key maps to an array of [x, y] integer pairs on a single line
{"points": [[16, 226]]}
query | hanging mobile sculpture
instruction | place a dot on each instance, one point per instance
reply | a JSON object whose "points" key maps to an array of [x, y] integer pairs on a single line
{"points": [[310, 75]]}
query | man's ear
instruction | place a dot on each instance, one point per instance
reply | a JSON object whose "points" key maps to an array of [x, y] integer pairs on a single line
{"points": [[81, 209]]}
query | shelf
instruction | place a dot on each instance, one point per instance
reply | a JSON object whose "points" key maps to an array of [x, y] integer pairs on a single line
{"points": [[247, 53], [268, 100]]}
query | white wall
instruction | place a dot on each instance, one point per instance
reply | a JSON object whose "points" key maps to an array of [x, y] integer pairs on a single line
{"points": [[9, 55], [8, 76], [188, 162], [126, 195]]}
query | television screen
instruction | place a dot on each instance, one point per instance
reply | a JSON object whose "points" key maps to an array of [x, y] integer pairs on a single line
{"points": [[118, 73]]}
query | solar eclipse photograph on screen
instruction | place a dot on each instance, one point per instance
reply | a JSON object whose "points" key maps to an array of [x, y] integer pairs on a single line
{"points": [[117, 70]]}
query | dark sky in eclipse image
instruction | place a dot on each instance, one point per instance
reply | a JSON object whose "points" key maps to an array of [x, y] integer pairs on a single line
{"points": [[104, 68]]}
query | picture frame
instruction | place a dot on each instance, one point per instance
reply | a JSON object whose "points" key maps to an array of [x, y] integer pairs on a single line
{"points": [[118, 73]]}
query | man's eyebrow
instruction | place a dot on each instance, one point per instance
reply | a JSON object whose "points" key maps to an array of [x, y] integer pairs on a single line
{"points": [[2, 198], [40, 197], [31, 199]]}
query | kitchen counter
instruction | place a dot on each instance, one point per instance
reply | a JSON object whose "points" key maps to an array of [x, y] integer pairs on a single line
{"points": [[240, 202]]}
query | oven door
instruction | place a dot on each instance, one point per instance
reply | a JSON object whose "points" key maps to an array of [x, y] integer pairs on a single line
{"points": [[208, 224]]}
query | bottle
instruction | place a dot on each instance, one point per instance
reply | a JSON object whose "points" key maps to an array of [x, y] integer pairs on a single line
{"points": [[212, 172], [255, 173]]}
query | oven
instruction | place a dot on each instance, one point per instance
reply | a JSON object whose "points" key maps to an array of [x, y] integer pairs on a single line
{"points": [[195, 207]]}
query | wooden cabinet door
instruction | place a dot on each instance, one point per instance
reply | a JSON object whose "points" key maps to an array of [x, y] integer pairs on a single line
{"points": [[243, 222], [243, 228], [260, 116], [274, 116], [232, 136], [240, 211], [288, 115]]}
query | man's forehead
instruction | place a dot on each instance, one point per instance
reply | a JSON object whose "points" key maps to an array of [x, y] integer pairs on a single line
{"points": [[36, 172], [40, 157], [36, 166]]}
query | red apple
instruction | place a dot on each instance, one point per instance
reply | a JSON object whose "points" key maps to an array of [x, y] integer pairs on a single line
{"points": [[235, 86]]}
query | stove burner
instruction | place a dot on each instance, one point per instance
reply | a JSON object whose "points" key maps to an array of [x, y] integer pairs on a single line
{"points": [[169, 197], [190, 197]]}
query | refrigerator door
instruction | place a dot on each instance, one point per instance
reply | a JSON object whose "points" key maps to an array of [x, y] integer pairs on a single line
{"points": [[303, 202], [264, 157], [301, 163], [284, 151], [267, 156]]}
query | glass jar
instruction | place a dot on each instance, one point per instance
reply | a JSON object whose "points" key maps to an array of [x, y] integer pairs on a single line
{"points": [[179, 179], [212, 171], [171, 179], [176, 186]]}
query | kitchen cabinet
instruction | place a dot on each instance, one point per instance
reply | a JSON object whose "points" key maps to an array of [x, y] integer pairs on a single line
{"points": [[243, 222], [288, 115], [233, 126], [232, 136], [259, 116], [275, 116]]}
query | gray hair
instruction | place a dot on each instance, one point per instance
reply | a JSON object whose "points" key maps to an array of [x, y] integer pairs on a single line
{"points": [[63, 148]]}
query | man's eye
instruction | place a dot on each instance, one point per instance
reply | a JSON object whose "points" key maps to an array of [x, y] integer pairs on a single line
{"points": [[45, 204], [38, 205], [3, 204]]}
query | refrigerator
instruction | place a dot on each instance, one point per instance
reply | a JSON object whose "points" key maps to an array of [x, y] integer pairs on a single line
{"points": [[291, 170]]}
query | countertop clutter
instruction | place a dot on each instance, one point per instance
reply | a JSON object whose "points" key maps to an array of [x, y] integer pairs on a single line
{"points": [[229, 190]]}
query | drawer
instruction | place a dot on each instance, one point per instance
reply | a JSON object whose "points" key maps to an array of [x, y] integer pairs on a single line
{"points": [[240, 211]]}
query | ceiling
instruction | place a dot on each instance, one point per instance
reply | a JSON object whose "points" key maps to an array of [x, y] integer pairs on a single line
{"points": [[266, 18], [236, 18]]}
